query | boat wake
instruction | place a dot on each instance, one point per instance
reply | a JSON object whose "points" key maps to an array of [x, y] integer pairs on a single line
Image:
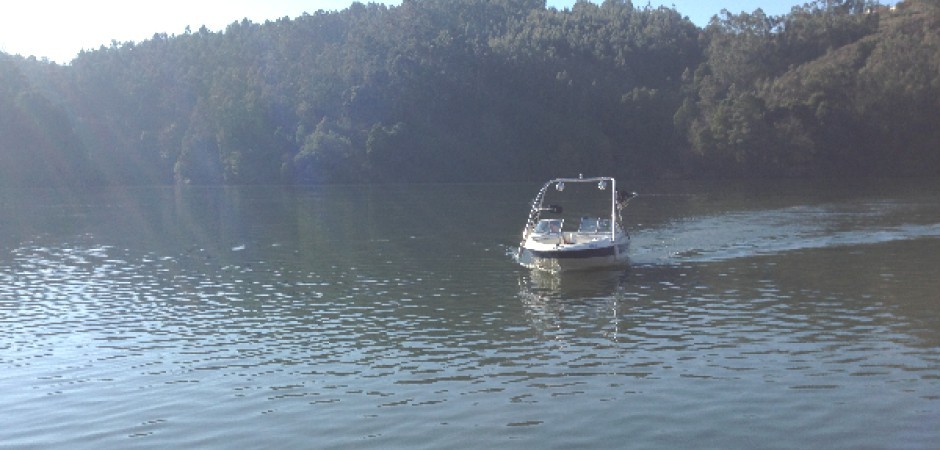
{"points": [[764, 232]]}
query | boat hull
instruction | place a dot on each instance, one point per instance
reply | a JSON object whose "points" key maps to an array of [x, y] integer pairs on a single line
{"points": [[574, 257]]}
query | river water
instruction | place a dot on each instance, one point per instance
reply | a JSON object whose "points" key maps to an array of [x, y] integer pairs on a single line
{"points": [[752, 315]]}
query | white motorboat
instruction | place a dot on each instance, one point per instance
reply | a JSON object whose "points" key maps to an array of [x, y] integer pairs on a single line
{"points": [[597, 237]]}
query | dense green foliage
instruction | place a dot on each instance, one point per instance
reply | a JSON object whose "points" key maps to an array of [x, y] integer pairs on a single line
{"points": [[468, 90]]}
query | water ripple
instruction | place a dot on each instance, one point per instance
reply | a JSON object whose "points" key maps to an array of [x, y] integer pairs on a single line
{"points": [[198, 345]]}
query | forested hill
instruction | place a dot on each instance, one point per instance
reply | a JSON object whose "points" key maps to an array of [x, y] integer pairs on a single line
{"points": [[481, 90]]}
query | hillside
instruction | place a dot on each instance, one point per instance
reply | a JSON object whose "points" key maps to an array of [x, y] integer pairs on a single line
{"points": [[487, 90]]}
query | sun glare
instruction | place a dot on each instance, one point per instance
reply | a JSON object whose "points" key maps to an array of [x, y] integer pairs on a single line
{"points": [[60, 30]]}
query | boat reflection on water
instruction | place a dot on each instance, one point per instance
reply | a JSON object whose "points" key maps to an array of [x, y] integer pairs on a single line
{"points": [[575, 303], [583, 285]]}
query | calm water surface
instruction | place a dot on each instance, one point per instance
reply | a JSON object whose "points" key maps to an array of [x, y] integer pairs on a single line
{"points": [[751, 316]]}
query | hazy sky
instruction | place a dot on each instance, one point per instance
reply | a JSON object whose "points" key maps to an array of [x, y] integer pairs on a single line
{"points": [[59, 29]]}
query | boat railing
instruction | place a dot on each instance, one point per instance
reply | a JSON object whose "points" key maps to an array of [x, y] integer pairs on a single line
{"points": [[534, 213]]}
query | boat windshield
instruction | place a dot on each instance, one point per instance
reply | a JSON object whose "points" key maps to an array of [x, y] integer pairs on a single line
{"points": [[588, 225], [549, 226]]}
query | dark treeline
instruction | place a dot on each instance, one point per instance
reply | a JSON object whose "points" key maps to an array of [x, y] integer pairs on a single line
{"points": [[481, 90]]}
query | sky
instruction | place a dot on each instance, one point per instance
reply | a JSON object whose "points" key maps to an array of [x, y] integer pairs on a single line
{"points": [[58, 29]]}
